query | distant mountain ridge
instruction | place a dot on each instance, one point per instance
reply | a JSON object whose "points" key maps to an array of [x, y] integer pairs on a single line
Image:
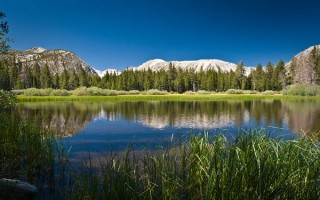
{"points": [[197, 65], [56, 60], [301, 68]]}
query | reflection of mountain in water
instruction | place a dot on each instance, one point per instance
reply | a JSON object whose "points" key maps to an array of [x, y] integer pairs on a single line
{"points": [[64, 119], [67, 119]]}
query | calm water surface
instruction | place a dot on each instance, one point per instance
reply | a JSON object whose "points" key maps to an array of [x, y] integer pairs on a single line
{"points": [[99, 127]]}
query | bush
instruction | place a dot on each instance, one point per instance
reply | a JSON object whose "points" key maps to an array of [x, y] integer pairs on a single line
{"points": [[80, 91], [37, 92], [234, 91], [203, 92], [107, 92], [133, 92], [250, 92], [7, 100], [268, 92], [94, 91], [59, 93], [17, 92], [121, 92], [156, 92], [189, 92], [302, 90]]}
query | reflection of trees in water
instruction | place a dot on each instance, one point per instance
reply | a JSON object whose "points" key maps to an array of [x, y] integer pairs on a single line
{"points": [[69, 118], [303, 115], [64, 119]]}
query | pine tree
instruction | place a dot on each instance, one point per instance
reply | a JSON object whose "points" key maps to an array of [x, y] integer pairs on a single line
{"points": [[73, 80], [240, 76], [4, 77], [279, 77], [268, 78], [35, 76], [55, 81], [4, 30], [83, 79], [64, 80], [45, 77], [258, 78]]}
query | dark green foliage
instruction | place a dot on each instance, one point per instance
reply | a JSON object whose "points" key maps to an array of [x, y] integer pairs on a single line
{"points": [[7, 100], [4, 29]]}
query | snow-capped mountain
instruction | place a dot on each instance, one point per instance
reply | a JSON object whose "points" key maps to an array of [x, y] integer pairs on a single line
{"points": [[110, 71], [198, 65]]}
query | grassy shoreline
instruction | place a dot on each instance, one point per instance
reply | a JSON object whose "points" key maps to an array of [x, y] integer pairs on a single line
{"points": [[167, 97]]}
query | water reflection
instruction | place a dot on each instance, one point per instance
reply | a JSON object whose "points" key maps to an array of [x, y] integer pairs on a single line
{"points": [[69, 118]]}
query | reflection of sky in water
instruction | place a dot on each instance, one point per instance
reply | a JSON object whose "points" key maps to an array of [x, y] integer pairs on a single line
{"points": [[102, 135]]}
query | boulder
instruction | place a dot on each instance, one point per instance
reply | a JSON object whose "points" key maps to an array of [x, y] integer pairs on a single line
{"points": [[16, 190]]}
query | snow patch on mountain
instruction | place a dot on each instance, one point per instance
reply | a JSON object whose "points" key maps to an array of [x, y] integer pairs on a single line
{"points": [[104, 72], [36, 50], [197, 65]]}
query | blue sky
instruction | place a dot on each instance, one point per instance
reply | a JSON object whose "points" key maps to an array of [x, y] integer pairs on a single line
{"points": [[117, 34]]}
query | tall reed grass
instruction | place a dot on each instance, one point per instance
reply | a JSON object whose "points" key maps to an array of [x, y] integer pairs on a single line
{"points": [[253, 166]]}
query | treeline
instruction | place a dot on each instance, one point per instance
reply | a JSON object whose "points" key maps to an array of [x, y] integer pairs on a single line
{"points": [[17, 76]]}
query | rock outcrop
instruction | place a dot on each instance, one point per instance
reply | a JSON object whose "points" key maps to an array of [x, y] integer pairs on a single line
{"points": [[304, 67]]}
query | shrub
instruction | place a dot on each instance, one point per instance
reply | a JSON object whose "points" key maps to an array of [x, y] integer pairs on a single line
{"points": [[268, 92], [121, 92], [133, 92], [17, 92], [203, 92], [7, 100], [156, 92], [59, 93], [189, 92], [249, 91], [81, 91], [95, 91], [107, 92], [302, 90], [37, 92], [234, 91]]}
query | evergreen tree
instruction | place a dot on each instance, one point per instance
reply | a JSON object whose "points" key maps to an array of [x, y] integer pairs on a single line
{"points": [[64, 80], [36, 76], [55, 81], [240, 76], [4, 77], [279, 77], [268, 78], [73, 80], [258, 78], [45, 77], [83, 79], [4, 29]]}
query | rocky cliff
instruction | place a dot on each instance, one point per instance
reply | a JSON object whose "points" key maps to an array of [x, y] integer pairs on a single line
{"points": [[305, 67], [56, 60]]}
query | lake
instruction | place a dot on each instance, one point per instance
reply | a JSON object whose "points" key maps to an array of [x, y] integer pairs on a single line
{"points": [[99, 127]]}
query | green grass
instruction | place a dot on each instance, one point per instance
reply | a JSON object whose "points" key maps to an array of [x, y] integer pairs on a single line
{"points": [[169, 97], [254, 166], [26, 151]]}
